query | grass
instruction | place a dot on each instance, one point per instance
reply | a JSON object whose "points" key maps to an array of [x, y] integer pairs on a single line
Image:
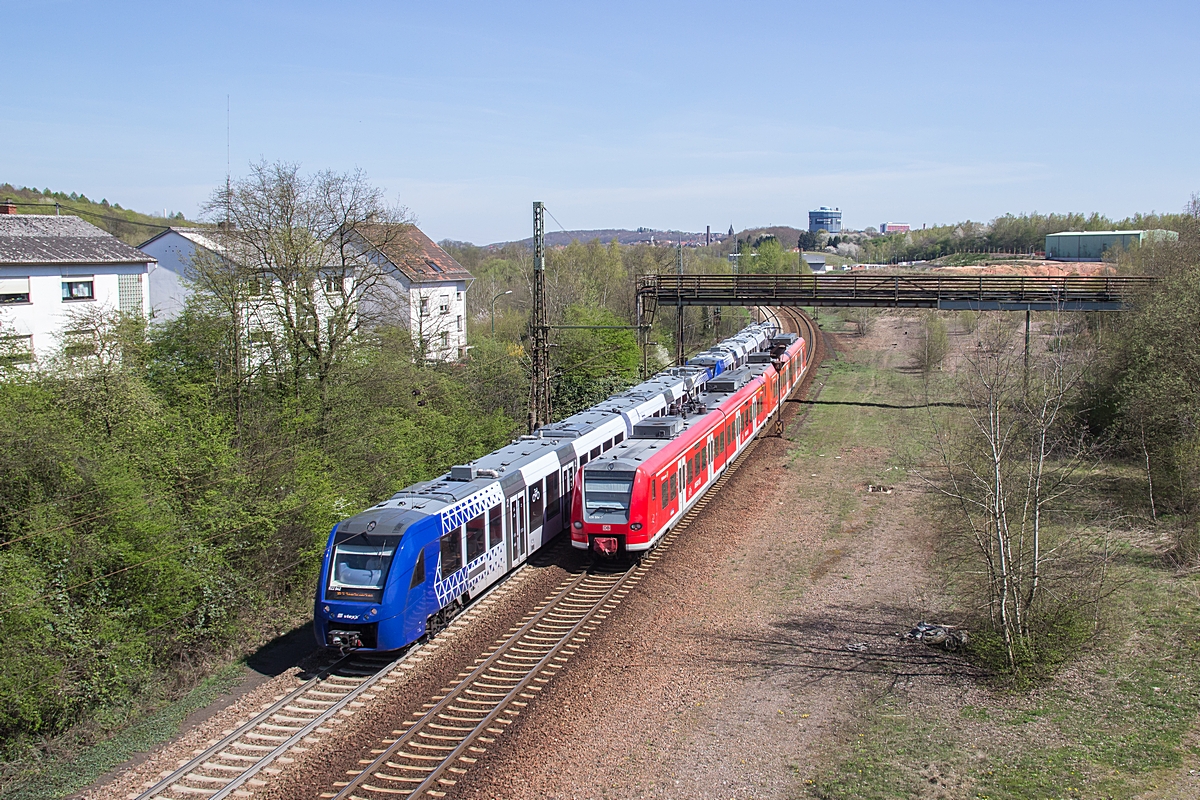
{"points": [[73, 768], [1115, 726], [1117, 721]]}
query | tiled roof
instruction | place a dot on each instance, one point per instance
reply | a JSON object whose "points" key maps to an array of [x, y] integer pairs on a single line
{"points": [[421, 260], [50, 239]]}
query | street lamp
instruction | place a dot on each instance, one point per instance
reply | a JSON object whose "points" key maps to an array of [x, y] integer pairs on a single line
{"points": [[494, 299]]}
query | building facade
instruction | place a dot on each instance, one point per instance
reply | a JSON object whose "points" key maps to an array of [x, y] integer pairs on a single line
{"points": [[413, 283], [173, 250], [895, 227], [428, 290], [1091, 245], [825, 219], [55, 271]]}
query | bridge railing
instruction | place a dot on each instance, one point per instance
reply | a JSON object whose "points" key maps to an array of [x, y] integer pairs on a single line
{"points": [[927, 291]]}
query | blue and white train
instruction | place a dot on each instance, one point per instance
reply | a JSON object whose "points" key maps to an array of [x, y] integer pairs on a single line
{"points": [[404, 567]]}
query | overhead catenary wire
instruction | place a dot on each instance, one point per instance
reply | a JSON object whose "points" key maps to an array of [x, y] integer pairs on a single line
{"points": [[86, 212]]}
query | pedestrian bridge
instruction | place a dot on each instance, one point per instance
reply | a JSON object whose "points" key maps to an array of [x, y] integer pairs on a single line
{"points": [[944, 292]]}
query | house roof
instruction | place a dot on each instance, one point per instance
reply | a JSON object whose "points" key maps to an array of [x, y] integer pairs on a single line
{"points": [[203, 237], [420, 259], [51, 239]]}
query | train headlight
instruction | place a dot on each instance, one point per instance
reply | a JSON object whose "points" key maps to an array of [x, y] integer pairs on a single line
{"points": [[637, 526], [325, 609], [578, 525]]}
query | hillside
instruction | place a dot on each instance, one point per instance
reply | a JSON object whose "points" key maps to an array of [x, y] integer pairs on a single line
{"points": [[127, 225], [723, 243]]}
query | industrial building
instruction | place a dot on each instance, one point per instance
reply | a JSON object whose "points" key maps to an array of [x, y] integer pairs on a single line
{"points": [[894, 227], [825, 219], [1091, 245]]}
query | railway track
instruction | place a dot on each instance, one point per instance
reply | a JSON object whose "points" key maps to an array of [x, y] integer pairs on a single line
{"points": [[435, 747], [239, 761], [236, 760]]}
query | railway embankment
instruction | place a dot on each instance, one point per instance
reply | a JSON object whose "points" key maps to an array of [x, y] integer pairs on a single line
{"points": [[765, 657]]}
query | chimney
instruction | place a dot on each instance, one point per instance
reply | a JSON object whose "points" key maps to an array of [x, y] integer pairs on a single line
{"points": [[7, 207]]}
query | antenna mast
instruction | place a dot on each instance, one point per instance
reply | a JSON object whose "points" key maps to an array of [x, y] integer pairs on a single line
{"points": [[539, 331], [228, 180]]}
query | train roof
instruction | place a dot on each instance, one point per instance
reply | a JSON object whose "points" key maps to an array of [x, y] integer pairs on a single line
{"points": [[500, 466]]}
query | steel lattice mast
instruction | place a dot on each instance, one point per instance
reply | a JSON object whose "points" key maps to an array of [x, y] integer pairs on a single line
{"points": [[539, 344]]}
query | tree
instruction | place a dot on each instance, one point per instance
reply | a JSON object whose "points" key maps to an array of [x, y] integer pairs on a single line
{"points": [[306, 248], [1013, 457]]}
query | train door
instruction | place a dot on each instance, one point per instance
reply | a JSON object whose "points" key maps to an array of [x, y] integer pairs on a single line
{"points": [[568, 492], [537, 513], [519, 535]]}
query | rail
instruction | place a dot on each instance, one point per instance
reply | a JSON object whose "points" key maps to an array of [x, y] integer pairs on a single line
{"points": [[946, 292]]}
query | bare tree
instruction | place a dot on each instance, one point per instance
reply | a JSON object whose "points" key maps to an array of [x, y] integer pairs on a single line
{"points": [[1014, 456], [307, 249]]}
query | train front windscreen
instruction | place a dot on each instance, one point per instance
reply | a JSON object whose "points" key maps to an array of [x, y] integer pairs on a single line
{"points": [[606, 496], [358, 570]]}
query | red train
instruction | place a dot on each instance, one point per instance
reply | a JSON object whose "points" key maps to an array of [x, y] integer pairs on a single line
{"points": [[633, 494]]}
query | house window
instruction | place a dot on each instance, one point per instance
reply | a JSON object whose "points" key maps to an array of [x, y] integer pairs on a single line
{"points": [[79, 343], [14, 290], [334, 284], [78, 290], [444, 304], [459, 327], [129, 294], [424, 306], [459, 297], [445, 337], [16, 350]]}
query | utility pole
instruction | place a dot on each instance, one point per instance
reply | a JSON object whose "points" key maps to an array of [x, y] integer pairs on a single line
{"points": [[679, 310], [539, 331]]}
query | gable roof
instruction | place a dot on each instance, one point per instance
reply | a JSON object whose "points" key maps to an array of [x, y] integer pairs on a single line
{"points": [[421, 260], [202, 237], [50, 239]]}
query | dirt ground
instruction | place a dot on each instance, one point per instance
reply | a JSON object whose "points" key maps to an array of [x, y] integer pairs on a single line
{"points": [[737, 666]]}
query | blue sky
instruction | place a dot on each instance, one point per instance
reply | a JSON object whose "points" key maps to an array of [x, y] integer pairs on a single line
{"points": [[667, 115]]}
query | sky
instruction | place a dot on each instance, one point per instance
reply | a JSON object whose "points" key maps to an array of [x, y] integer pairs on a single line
{"points": [[616, 115]]}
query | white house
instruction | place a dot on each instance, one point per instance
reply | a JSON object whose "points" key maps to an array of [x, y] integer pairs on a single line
{"points": [[173, 249], [432, 289], [420, 286], [51, 268]]}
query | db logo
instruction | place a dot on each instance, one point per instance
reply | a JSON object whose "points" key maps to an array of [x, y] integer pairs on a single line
{"points": [[606, 527]]}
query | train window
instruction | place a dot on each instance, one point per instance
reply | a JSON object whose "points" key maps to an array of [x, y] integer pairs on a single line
{"points": [[476, 538], [358, 571], [535, 506], [583, 459], [606, 495], [674, 485], [552, 503], [620, 437], [595, 452], [653, 489], [495, 531], [418, 571], [608, 445], [451, 553]]}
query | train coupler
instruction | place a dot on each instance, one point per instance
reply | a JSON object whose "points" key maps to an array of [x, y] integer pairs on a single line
{"points": [[605, 545]]}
